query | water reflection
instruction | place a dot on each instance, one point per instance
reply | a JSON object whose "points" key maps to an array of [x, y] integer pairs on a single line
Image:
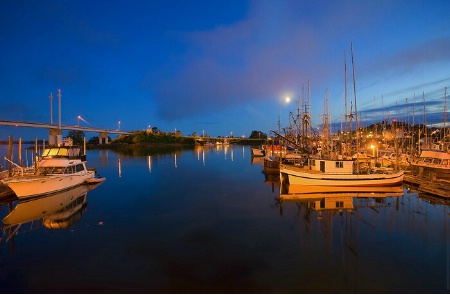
{"points": [[335, 222], [334, 199], [149, 162], [53, 211]]}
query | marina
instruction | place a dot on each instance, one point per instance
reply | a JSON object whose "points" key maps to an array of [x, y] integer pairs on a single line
{"points": [[207, 219], [221, 147]]}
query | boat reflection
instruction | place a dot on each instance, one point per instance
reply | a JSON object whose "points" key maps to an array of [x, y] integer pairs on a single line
{"points": [[56, 211], [335, 199]]}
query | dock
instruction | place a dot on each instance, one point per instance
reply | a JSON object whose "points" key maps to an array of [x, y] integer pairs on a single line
{"points": [[431, 186]]}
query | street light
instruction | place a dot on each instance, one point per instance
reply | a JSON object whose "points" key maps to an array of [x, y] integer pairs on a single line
{"points": [[119, 125]]}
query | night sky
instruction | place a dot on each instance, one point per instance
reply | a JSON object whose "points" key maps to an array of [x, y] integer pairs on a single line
{"points": [[223, 67]]}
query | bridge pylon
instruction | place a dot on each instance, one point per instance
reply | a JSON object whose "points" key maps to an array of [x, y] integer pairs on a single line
{"points": [[55, 136]]}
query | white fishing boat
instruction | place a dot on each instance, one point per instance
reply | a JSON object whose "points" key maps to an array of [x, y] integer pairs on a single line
{"points": [[58, 168], [338, 173], [432, 164], [329, 169]]}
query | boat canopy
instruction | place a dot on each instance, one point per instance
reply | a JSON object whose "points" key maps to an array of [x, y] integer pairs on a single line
{"points": [[63, 151]]}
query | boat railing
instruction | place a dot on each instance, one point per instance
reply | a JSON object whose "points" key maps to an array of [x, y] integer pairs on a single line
{"points": [[18, 166]]}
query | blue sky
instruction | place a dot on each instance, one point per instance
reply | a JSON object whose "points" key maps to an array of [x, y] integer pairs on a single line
{"points": [[221, 66]]}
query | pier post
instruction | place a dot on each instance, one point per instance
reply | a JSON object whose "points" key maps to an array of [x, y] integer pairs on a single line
{"points": [[10, 155], [19, 152]]}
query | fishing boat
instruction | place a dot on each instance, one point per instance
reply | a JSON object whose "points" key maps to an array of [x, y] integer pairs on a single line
{"points": [[325, 172], [271, 165], [326, 168], [432, 164], [58, 168]]}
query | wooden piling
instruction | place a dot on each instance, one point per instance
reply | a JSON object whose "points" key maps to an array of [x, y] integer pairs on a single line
{"points": [[35, 152], [10, 155], [19, 153]]}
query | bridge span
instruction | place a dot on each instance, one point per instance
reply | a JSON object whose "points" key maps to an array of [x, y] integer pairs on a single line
{"points": [[55, 130]]}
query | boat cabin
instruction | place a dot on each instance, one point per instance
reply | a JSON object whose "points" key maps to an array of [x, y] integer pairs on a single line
{"points": [[436, 157], [331, 166], [52, 170]]}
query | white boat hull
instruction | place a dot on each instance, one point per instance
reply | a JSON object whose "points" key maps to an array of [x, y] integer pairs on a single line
{"points": [[294, 175], [257, 152], [35, 186]]}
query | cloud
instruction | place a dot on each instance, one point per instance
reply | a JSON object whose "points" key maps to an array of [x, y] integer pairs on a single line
{"points": [[247, 61], [412, 56]]}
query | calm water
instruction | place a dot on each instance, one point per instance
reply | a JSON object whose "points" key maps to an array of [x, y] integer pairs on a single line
{"points": [[207, 220]]}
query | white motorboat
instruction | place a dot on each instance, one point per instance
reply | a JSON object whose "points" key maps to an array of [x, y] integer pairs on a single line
{"points": [[257, 152], [58, 169]]}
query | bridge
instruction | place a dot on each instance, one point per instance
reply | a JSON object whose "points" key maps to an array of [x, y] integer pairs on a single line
{"points": [[55, 136], [55, 130]]}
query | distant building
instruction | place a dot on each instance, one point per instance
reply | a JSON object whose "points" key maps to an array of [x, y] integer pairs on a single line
{"points": [[67, 141]]}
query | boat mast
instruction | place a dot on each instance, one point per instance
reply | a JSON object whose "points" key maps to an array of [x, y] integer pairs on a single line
{"points": [[346, 108], [306, 120], [445, 117], [425, 129], [356, 110], [414, 126], [326, 131]]}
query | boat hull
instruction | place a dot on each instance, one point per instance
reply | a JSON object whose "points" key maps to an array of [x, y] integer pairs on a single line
{"points": [[302, 176], [35, 186], [257, 152]]}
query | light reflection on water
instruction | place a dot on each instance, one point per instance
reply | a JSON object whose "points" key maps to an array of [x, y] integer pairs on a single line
{"points": [[207, 220]]}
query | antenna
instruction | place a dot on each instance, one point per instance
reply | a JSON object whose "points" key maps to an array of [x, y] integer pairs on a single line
{"points": [[59, 110], [51, 108]]}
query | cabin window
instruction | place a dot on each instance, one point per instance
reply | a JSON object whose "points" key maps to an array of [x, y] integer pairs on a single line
{"points": [[58, 170], [312, 162], [339, 164], [43, 170], [79, 167], [339, 204], [322, 203]]}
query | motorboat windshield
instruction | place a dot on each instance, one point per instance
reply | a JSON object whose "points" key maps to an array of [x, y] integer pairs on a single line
{"points": [[63, 151]]}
